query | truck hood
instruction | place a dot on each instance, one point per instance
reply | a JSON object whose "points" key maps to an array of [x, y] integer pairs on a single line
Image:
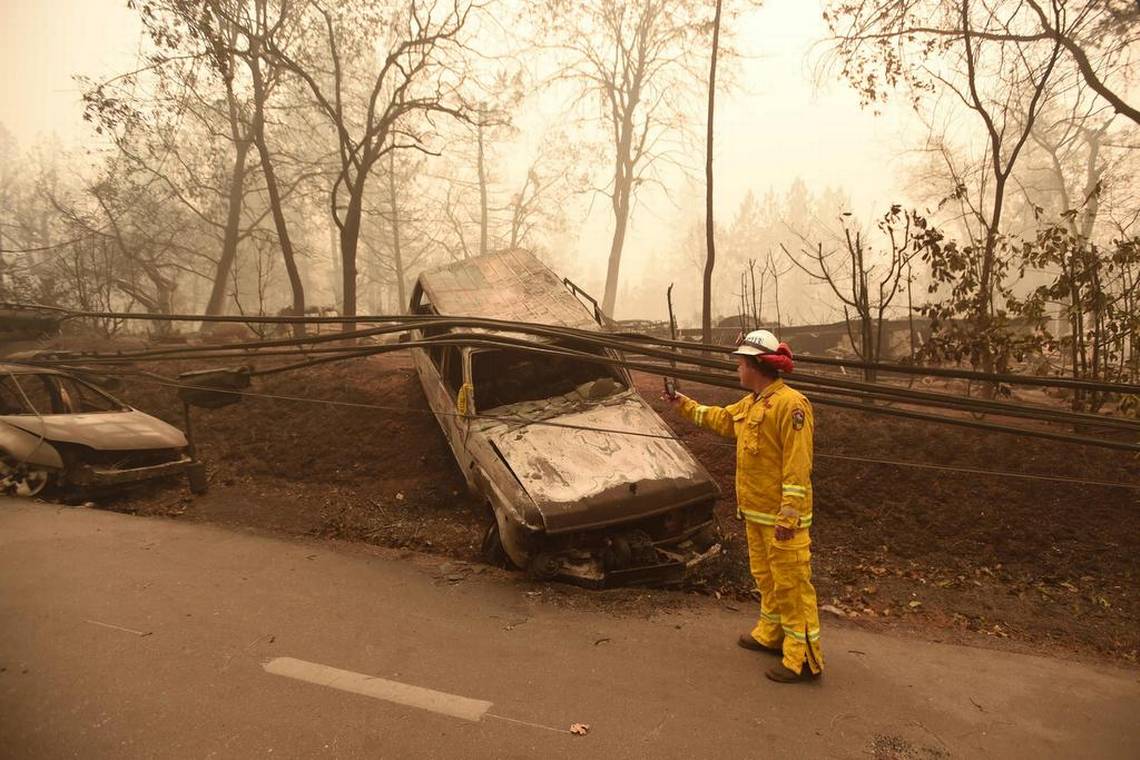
{"points": [[581, 479], [102, 431]]}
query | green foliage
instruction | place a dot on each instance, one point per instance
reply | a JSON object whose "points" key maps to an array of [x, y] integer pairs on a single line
{"points": [[956, 334], [1095, 290]]}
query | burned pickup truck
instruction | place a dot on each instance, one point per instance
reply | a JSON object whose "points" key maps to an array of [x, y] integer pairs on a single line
{"points": [[58, 430], [585, 481]]}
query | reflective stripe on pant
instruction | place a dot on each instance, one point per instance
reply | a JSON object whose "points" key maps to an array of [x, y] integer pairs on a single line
{"points": [[788, 608]]}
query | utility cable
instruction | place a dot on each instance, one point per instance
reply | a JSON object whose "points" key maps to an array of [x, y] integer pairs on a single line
{"points": [[729, 381], [1057, 382], [871, 390], [520, 420], [978, 471]]}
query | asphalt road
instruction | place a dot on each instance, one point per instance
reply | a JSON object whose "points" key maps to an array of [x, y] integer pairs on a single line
{"points": [[124, 637]]}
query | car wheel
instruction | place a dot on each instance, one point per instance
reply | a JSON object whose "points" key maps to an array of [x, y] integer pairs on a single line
{"points": [[543, 567], [493, 551], [23, 481]]}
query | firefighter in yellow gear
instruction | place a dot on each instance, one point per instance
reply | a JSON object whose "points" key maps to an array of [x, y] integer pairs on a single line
{"points": [[773, 428]]}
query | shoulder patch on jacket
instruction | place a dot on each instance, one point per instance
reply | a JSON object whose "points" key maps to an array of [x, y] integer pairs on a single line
{"points": [[798, 418]]}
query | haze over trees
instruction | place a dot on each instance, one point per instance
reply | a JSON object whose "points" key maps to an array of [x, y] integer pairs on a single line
{"points": [[280, 156]]}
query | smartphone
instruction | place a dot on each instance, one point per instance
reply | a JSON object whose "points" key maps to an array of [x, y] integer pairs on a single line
{"points": [[670, 388]]}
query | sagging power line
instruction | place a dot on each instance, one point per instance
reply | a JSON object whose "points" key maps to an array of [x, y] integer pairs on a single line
{"points": [[663, 355], [409, 321], [524, 421]]}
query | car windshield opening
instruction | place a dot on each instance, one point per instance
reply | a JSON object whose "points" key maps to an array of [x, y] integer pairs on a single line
{"points": [[38, 390], [52, 394], [81, 398], [11, 400], [512, 376]]}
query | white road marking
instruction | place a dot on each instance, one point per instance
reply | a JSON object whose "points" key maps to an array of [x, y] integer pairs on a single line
{"points": [[119, 628], [380, 688]]}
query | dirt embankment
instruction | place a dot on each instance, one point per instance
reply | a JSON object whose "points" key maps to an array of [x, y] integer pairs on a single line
{"points": [[1022, 562]]}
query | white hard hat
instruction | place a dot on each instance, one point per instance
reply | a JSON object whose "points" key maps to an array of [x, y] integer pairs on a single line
{"points": [[756, 343]]}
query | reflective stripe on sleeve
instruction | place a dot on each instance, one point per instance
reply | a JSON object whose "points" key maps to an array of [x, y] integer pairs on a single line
{"points": [[794, 490]]}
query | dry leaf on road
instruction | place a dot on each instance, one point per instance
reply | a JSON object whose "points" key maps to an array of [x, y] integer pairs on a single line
{"points": [[579, 729]]}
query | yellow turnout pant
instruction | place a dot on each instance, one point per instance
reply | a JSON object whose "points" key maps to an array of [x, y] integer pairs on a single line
{"points": [[788, 609]]}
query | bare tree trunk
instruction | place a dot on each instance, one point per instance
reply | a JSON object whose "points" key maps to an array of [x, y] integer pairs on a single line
{"points": [[776, 293], [710, 243], [743, 305], [482, 193], [275, 206], [862, 298], [334, 256], [397, 255], [989, 254], [867, 328], [879, 336], [230, 240], [349, 237], [910, 312], [756, 305], [621, 222], [164, 295], [1130, 306], [1093, 174], [624, 166]]}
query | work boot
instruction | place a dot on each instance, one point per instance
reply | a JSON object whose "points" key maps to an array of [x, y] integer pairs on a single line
{"points": [[747, 642], [780, 673]]}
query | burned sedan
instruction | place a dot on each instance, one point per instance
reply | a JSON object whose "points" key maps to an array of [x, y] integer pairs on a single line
{"points": [[58, 430], [586, 482]]}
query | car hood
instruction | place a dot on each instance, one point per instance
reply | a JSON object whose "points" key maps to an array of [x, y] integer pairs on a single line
{"points": [[103, 431], [588, 478]]}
